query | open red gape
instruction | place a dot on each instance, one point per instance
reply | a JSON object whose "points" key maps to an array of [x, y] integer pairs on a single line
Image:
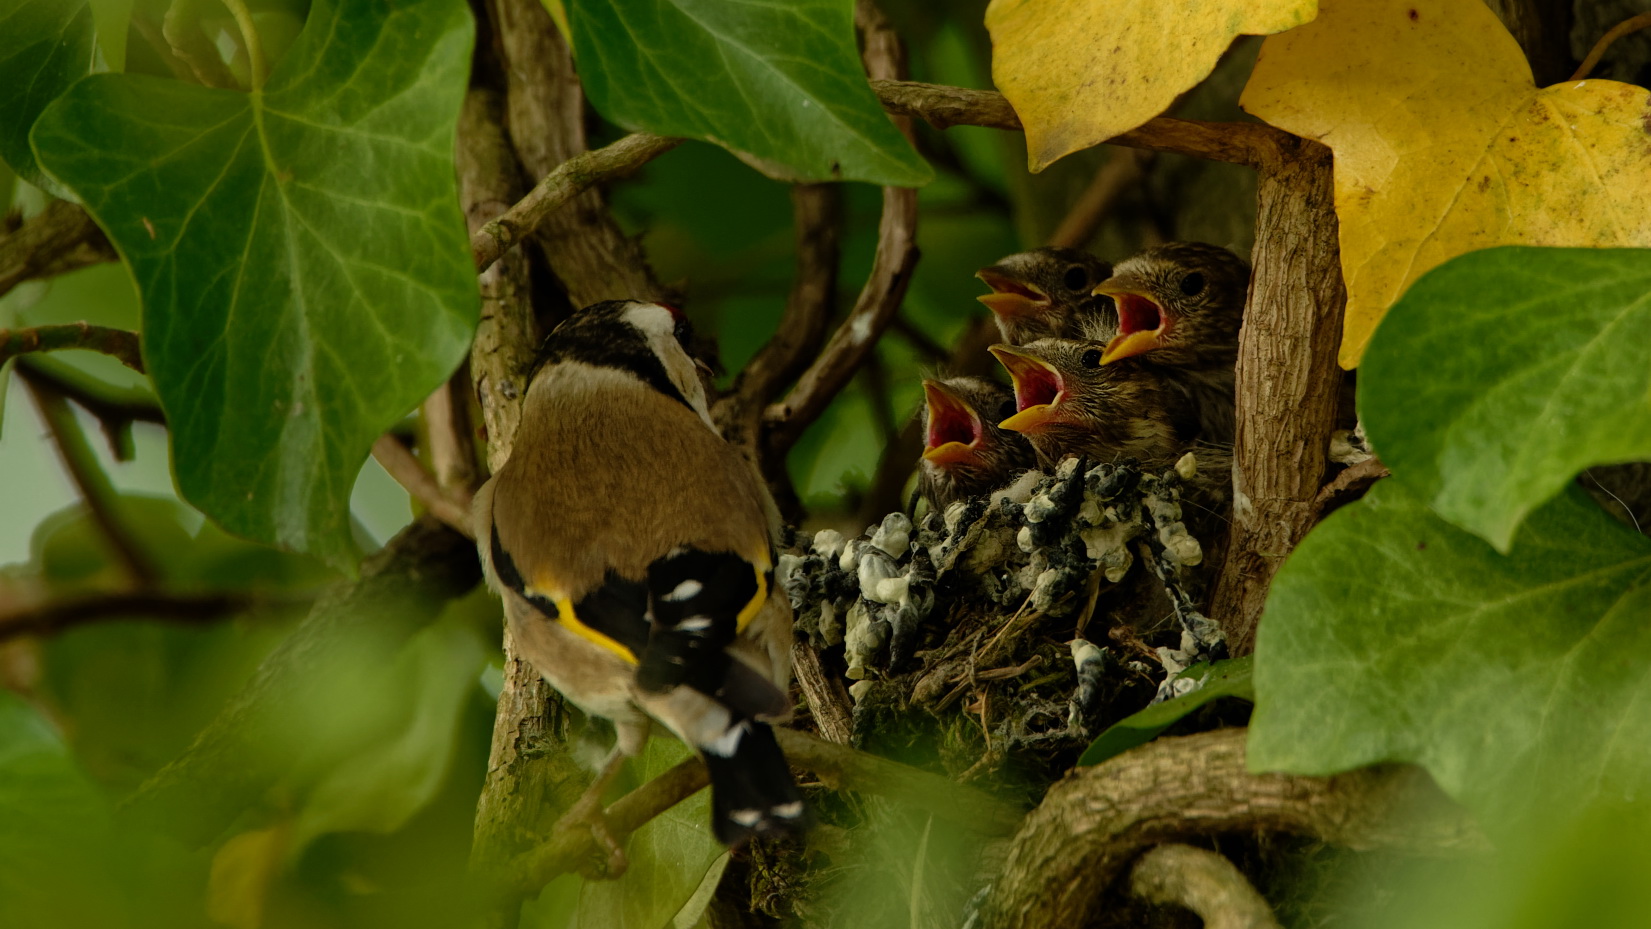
{"points": [[951, 422], [1137, 314], [1035, 385]]}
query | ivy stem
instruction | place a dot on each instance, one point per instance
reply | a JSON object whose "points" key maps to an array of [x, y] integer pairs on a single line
{"points": [[94, 485], [249, 34], [1632, 24]]}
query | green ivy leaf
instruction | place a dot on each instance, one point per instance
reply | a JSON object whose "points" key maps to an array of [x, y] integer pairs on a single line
{"points": [[779, 84], [1230, 678], [303, 263], [415, 709], [1504, 372], [45, 46], [669, 857], [1392, 635]]}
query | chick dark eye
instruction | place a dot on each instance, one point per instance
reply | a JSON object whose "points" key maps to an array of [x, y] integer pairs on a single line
{"points": [[1005, 410], [1076, 278], [1091, 358], [1193, 284]]}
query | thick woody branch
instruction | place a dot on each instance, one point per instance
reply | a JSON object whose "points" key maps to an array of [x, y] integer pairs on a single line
{"points": [[59, 239], [1093, 823], [402, 589], [1204, 882], [1287, 383], [528, 779], [943, 107], [421, 485], [570, 179], [120, 344], [838, 766], [591, 258], [828, 700]]}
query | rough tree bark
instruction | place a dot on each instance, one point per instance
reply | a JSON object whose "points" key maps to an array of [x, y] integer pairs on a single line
{"points": [[1287, 380], [1093, 823], [528, 778]]}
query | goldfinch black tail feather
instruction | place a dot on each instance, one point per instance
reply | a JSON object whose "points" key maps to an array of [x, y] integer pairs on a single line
{"points": [[752, 792]]}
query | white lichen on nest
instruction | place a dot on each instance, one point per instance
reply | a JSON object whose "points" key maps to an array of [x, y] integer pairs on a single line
{"points": [[1035, 545]]}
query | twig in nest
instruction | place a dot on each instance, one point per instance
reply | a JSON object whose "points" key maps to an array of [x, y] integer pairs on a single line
{"points": [[59, 239], [570, 179], [1095, 821], [827, 698], [120, 344], [57, 616], [411, 475], [1631, 24], [1203, 882]]}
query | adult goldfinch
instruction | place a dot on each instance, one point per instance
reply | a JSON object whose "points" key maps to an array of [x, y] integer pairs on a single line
{"points": [[632, 548]]}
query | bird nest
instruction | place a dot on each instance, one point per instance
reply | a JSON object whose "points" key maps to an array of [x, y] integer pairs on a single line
{"points": [[967, 638]]}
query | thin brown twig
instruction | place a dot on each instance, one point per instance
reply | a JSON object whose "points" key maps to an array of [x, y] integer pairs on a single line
{"points": [[58, 616], [943, 107], [1121, 171], [94, 486], [120, 344], [918, 339], [115, 414], [1629, 25], [60, 238], [570, 179], [421, 485], [891, 272], [448, 435], [838, 766], [1353, 479]]}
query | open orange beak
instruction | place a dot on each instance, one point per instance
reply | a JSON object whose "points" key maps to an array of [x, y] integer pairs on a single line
{"points": [[1039, 389], [1009, 297], [1142, 321], [955, 428]]}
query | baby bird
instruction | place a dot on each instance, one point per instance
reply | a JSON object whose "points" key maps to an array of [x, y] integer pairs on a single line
{"points": [[1046, 293], [965, 453], [1068, 403], [632, 548], [1179, 307]]}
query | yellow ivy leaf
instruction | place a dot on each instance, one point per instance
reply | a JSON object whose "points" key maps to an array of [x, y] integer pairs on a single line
{"points": [[1082, 71], [1444, 144]]}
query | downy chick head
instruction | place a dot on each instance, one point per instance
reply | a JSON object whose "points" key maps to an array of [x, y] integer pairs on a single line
{"points": [[1046, 293], [1068, 403], [1179, 304], [965, 452]]}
